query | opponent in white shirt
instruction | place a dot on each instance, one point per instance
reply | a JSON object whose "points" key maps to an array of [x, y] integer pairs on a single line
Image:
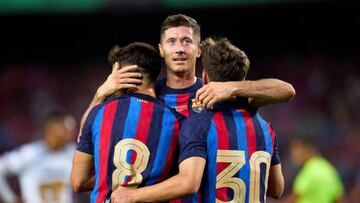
{"points": [[44, 166]]}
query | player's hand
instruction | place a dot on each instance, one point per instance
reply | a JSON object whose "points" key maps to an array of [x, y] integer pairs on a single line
{"points": [[123, 195], [127, 77], [213, 93]]}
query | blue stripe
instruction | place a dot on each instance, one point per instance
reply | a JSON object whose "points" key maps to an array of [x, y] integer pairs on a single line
{"points": [[195, 198], [265, 128], [170, 100], [96, 140], [242, 146], [131, 123], [212, 146], [163, 147]]}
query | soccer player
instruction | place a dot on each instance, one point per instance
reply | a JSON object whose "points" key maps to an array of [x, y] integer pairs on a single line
{"points": [[130, 140], [238, 146], [317, 180], [43, 166], [179, 47]]}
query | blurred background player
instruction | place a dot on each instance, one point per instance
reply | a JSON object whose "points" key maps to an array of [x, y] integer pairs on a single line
{"points": [[317, 180], [239, 147], [131, 140], [43, 166]]}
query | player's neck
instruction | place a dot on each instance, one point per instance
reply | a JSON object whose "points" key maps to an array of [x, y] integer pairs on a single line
{"points": [[309, 155], [147, 90], [180, 80]]}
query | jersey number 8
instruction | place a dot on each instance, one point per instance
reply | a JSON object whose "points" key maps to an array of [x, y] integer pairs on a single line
{"points": [[125, 169]]}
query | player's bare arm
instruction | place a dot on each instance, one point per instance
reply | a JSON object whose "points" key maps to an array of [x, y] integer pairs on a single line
{"points": [[127, 77], [260, 92], [186, 182], [275, 182], [82, 177]]}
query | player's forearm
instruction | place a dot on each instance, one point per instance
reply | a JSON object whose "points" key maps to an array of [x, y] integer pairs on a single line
{"points": [[264, 92], [97, 99], [173, 188], [275, 182], [85, 186], [82, 173], [185, 183]]}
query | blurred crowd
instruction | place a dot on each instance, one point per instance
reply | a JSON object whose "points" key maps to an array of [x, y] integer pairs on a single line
{"points": [[325, 107]]}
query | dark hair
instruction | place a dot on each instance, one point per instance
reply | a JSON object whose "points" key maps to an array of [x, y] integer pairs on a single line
{"points": [[180, 20], [223, 61], [144, 55], [54, 116]]}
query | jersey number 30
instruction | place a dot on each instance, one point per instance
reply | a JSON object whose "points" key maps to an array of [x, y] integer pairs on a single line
{"points": [[236, 159]]}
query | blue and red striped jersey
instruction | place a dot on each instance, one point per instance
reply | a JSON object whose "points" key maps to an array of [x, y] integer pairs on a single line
{"points": [[134, 141], [239, 146], [182, 100]]}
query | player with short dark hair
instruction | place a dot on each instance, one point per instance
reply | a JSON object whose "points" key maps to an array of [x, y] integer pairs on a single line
{"points": [[130, 140], [224, 62], [180, 20], [142, 54]]}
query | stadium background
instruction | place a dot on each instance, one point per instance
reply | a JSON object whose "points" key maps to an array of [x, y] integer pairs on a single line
{"points": [[53, 53]]}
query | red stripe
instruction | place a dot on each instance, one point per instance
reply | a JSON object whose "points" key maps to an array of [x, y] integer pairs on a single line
{"points": [[142, 130], [175, 201], [272, 134], [170, 156], [199, 197], [250, 133], [105, 137], [182, 101], [223, 144]]}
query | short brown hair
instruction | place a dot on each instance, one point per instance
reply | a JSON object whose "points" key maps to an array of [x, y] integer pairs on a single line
{"points": [[223, 61], [180, 20], [144, 55]]}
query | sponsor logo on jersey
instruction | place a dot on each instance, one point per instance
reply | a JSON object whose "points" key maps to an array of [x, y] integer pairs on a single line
{"points": [[181, 109]]}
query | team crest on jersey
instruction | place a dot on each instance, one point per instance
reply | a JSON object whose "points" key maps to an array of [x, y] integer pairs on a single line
{"points": [[196, 106]]}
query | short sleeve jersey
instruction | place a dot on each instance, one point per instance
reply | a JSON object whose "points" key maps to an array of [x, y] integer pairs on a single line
{"points": [[134, 141], [239, 146]]}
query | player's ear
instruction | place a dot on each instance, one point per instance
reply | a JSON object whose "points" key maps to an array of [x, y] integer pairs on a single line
{"points": [[198, 54], [161, 50], [205, 77]]}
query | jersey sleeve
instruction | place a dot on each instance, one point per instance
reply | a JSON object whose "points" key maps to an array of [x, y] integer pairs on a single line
{"points": [[86, 144], [14, 161], [275, 159], [192, 138]]}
